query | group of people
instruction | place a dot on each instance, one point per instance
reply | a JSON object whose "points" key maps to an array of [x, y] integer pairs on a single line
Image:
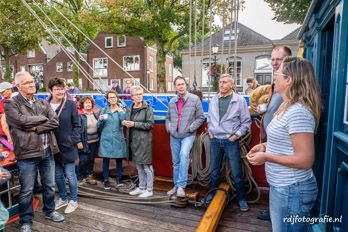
{"points": [[51, 137]]}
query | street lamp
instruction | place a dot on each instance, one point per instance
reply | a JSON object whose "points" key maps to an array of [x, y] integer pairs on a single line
{"points": [[215, 50]]}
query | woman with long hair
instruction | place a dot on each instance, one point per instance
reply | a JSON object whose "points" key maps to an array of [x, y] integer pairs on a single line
{"points": [[289, 151], [112, 144]]}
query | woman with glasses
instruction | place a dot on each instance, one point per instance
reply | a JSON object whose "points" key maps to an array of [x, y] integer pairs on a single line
{"points": [[112, 144], [139, 122], [289, 151], [68, 138]]}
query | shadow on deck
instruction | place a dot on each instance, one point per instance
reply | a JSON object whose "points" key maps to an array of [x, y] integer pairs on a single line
{"points": [[101, 215]]}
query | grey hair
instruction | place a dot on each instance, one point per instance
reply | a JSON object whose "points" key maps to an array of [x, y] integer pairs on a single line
{"points": [[230, 78], [19, 75], [135, 89]]}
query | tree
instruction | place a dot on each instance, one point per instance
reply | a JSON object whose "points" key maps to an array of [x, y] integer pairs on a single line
{"points": [[82, 13], [289, 11], [16, 31], [157, 22]]}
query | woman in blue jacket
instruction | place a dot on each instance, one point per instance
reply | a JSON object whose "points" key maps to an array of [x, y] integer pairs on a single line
{"points": [[112, 143], [69, 139]]}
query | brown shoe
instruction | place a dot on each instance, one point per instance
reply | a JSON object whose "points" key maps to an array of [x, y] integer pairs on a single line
{"points": [[90, 180]]}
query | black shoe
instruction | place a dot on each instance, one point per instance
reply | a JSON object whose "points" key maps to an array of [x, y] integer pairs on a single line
{"points": [[107, 185], [264, 215]]}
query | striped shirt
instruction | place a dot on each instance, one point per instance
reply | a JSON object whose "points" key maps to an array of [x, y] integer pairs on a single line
{"points": [[296, 119]]}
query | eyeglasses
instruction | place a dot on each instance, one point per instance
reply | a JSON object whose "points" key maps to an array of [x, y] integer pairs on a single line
{"points": [[280, 74], [27, 83], [112, 97], [58, 89]]}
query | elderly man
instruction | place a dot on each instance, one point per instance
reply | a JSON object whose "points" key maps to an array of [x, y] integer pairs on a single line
{"points": [[31, 123], [185, 116], [228, 120]]}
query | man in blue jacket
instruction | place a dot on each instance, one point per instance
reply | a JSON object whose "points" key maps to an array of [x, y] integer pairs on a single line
{"points": [[185, 116], [228, 120]]}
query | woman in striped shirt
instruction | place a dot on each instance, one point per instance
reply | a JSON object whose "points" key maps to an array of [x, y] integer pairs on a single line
{"points": [[289, 152]]}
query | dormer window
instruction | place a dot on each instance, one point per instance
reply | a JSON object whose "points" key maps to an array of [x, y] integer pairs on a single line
{"points": [[108, 42], [121, 41], [31, 53]]}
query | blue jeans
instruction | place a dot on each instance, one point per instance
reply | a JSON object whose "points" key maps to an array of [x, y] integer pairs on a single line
{"points": [[27, 173], [106, 165], [86, 165], [219, 147], [181, 159], [66, 170], [294, 200]]}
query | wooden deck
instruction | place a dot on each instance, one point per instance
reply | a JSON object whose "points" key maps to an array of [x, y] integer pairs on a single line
{"points": [[101, 215]]}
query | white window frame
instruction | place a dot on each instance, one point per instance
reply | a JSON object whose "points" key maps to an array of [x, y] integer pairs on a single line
{"points": [[59, 69], [152, 83], [135, 81], [69, 66], [118, 41], [95, 72], [151, 64], [238, 78], [112, 42], [22, 68], [170, 69], [132, 68], [31, 53]]}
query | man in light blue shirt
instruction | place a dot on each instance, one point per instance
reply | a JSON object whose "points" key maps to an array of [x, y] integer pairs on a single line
{"points": [[228, 120]]}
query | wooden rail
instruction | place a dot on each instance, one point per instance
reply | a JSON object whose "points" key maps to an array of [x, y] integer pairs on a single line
{"points": [[212, 215]]}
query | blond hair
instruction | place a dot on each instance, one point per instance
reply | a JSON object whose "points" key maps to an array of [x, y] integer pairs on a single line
{"points": [[304, 87]]}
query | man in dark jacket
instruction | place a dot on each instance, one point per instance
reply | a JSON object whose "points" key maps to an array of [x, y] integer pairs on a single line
{"points": [[31, 123]]}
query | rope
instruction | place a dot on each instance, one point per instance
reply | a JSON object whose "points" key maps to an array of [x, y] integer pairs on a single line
{"points": [[200, 172]]}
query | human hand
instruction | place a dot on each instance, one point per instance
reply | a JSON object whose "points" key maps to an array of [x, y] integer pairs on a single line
{"points": [[257, 158], [258, 148], [233, 138], [80, 146], [3, 175]]}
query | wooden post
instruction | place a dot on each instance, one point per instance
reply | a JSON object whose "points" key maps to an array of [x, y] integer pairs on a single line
{"points": [[213, 214]]}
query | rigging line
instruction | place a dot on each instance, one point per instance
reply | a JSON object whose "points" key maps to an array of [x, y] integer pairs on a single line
{"points": [[43, 24], [235, 41], [230, 36], [195, 45], [222, 40], [202, 48], [210, 35], [70, 44], [190, 31], [117, 64]]}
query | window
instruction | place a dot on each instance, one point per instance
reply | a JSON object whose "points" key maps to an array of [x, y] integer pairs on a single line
{"points": [[135, 81], [22, 68], [238, 80], [170, 70], [152, 84], [151, 63], [69, 66], [263, 70], [100, 67], [36, 71], [108, 42], [59, 67], [205, 75], [121, 41], [263, 63], [228, 35], [264, 79], [31, 53], [100, 84], [4, 71], [131, 63]]}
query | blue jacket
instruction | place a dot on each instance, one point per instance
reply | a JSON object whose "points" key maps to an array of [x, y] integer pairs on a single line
{"points": [[68, 133], [112, 142], [236, 120]]}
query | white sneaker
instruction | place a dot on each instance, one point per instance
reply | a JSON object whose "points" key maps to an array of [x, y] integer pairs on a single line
{"points": [[146, 194], [60, 203], [71, 207], [136, 191], [180, 192], [172, 191]]}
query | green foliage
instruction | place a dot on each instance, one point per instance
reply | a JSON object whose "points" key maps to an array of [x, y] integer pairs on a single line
{"points": [[289, 11], [80, 12], [16, 31], [158, 22]]}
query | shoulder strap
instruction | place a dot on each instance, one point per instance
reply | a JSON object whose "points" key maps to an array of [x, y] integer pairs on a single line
{"points": [[61, 108]]}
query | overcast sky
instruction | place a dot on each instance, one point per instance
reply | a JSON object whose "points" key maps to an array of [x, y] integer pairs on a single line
{"points": [[258, 16]]}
